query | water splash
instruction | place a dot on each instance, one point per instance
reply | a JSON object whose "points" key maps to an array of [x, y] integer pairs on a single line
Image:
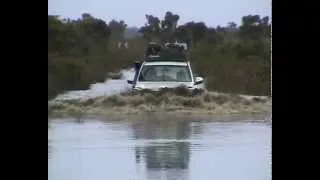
{"points": [[109, 87]]}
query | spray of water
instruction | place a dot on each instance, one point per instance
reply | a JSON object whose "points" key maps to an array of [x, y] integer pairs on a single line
{"points": [[107, 88]]}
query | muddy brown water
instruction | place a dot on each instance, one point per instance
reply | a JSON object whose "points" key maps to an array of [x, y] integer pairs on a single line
{"points": [[170, 148]]}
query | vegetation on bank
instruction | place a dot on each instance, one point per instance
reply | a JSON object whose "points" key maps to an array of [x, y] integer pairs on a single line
{"points": [[235, 58]]}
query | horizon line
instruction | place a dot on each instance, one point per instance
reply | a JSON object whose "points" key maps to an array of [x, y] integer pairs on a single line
{"points": [[61, 17]]}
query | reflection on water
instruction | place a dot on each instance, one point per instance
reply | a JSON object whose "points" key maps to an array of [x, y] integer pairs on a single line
{"points": [[163, 156], [158, 149]]}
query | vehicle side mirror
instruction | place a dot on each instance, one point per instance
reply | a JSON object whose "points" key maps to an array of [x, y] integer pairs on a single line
{"points": [[129, 81], [198, 80]]}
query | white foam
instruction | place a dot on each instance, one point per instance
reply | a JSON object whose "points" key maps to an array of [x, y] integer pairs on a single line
{"points": [[109, 87]]}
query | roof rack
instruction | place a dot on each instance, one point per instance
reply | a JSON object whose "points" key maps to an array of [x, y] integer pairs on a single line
{"points": [[183, 46], [156, 52]]}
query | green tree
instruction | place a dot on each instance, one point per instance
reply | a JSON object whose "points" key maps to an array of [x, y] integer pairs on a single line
{"points": [[233, 58]]}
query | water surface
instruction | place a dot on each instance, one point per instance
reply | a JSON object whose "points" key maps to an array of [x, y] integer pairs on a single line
{"points": [[226, 148], [107, 88]]}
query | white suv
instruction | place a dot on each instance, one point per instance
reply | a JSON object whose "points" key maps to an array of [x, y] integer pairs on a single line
{"points": [[157, 73]]}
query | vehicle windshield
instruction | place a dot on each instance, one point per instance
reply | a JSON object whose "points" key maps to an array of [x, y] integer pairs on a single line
{"points": [[165, 73]]}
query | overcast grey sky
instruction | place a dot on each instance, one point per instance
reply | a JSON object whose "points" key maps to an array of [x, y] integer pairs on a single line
{"points": [[212, 12]]}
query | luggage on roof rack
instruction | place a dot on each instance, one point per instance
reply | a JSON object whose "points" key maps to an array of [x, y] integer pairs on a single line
{"points": [[172, 52], [153, 49], [182, 46]]}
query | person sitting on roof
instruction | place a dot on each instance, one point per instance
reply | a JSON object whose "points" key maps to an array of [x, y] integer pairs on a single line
{"points": [[153, 50]]}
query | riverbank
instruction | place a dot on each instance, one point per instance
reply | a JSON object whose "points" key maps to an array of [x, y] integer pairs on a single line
{"points": [[177, 101]]}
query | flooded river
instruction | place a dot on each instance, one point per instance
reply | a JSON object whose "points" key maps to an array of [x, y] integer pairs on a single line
{"points": [[221, 148]]}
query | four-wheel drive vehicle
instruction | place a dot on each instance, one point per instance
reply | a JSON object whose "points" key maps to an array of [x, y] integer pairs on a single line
{"points": [[157, 74], [168, 69]]}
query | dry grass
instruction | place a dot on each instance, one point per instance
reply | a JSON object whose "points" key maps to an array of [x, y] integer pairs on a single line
{"points": [[168, 100]]}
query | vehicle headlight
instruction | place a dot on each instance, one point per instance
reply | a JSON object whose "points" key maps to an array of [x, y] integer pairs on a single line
{"points": [[139, 87]]}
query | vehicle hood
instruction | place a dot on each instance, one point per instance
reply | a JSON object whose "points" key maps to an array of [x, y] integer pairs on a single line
{"points": [[159, 85]]}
